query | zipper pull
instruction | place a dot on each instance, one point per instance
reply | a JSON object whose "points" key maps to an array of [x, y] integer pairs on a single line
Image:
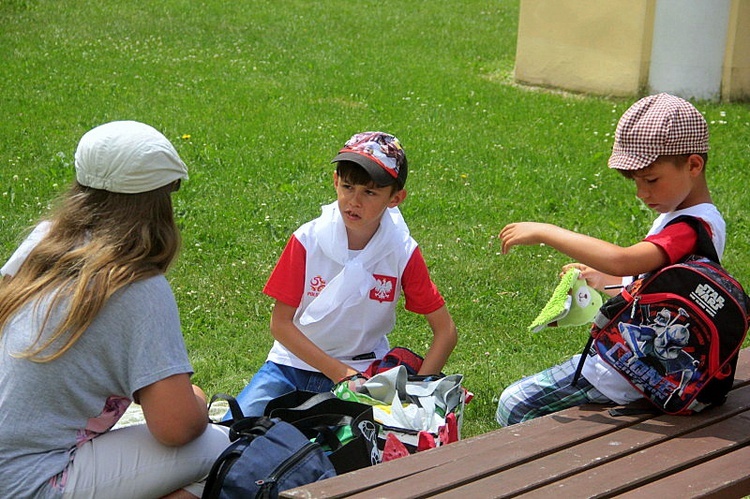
{"points": [[266, 486]]}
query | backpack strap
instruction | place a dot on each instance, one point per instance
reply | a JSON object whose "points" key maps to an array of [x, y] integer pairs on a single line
{"points": [[705, 245], [608, 310], [584, 354]]}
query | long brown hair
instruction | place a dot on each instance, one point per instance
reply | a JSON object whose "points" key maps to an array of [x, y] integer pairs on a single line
{"points": [[98, 242]]}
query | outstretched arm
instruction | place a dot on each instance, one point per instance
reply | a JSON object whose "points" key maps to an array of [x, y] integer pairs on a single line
{"points": [[444, 341], [600, 255]]}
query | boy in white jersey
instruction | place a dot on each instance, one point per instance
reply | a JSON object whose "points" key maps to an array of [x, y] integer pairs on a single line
{"points": [[661, 143], [338, 281]]}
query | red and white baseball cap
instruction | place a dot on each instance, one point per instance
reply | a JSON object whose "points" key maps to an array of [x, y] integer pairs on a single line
{"points": [[380, 154]]}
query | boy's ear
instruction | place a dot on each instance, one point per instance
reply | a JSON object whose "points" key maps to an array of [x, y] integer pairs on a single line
{"points": [[397, 198], [696, 164]]}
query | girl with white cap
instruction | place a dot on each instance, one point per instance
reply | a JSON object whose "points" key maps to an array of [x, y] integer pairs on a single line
{"points": [[89, 324]]}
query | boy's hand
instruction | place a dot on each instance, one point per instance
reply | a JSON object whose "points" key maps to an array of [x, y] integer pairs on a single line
{"points": [[355, 381], [523, 233], [594, 278]]}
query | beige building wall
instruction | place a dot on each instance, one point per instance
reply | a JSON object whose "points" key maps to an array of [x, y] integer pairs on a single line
{"points": [[605, 46], [736, 75], [594, 46]]}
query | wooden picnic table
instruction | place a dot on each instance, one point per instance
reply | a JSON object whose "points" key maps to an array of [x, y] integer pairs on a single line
{"points": [[579, 452]]}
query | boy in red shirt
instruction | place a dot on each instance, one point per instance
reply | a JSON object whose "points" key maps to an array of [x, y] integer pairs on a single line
{"points": [[661, 143]]}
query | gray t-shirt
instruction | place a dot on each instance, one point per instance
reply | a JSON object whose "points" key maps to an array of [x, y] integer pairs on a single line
{"points": [[47, 409]]}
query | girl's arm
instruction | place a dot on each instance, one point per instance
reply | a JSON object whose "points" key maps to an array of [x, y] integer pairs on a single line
{"points": [[175, 410]]}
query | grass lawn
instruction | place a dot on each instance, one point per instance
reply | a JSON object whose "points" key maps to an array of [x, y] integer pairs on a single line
{"points": [[258, 96]]}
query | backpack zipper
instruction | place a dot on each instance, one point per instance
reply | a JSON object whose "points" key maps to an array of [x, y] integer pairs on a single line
{"points": [[267, 484]]}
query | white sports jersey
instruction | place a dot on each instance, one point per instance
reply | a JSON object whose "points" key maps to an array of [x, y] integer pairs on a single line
{"points": [[355, 330]]}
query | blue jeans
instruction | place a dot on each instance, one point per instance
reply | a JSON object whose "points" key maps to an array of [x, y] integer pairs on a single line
{"points": [[274, 380]]}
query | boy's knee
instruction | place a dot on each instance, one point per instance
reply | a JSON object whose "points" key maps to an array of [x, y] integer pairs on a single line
{"points": [[507, 405]]}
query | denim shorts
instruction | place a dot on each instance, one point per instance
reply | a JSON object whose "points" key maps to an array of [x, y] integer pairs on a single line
{"points": [[274, 380]]}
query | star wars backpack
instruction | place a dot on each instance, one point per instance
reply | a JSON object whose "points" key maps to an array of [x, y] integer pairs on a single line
{"points": [[675, 334]]}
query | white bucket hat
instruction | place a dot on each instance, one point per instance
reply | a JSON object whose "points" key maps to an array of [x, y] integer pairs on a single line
{"points": [[127, 157]]}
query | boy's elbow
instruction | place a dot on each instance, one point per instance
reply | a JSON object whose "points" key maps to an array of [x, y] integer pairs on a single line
{"points": [[443, 328], [451, 336], [454, 334], [627, 267]]}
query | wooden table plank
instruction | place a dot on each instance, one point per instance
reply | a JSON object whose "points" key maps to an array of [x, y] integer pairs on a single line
{"points": [[726, 476], [638, 469], [509, 446], [592, 453], [565, 462], [742, 375]]}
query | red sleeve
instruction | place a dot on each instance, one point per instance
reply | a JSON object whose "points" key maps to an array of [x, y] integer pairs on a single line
{"points": [[677, 240], [421, 294], [287, 281]]}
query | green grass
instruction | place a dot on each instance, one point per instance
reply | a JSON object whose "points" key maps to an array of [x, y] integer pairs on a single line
{"points": [[259, 95]]}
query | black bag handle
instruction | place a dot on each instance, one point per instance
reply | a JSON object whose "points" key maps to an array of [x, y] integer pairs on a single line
{"points": [[210, 490], [297, 400], [314, 400], [311, 404], [250, 427], [326, 436], [322, 420], [234, 406], [240, 425], [320, 427]]}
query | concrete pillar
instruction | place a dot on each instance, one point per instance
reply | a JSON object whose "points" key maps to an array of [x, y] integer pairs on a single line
{"points": [[735, 79], [687, 55]]}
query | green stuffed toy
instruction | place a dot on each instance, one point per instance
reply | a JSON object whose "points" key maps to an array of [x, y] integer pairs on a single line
{"points": [[573, 303]]}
